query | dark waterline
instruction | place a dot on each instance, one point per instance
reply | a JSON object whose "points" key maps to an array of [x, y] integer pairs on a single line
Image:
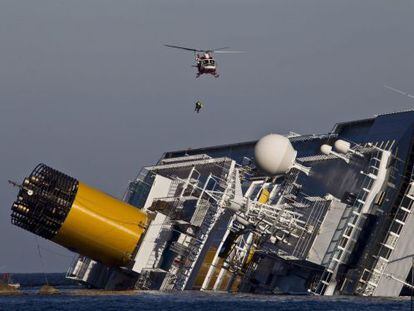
{"points": [[192, 301], [73, 298]]}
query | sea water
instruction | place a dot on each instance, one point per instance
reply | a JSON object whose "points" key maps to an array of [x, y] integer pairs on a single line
{"points": [[74, 299]]}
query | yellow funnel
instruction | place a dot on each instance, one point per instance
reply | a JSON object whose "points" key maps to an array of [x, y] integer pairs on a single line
{"points": [[78, 217]]}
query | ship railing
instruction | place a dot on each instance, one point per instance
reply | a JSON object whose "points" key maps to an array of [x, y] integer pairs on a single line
{"points": [[390, 241], [213, 214], [70, 273], [78, 268], [141, 179], [347, 241], [313, 222]]}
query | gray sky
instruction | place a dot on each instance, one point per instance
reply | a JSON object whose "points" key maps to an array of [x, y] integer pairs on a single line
{"points": [[87, 87]]}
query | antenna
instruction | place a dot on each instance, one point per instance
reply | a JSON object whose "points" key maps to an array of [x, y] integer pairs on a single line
{"points": [[327, 149], [399, 91], [14, 184], [344, 147]]}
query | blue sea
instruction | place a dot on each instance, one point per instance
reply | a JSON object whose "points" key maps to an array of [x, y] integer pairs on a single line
{"points": [[73, 298]]}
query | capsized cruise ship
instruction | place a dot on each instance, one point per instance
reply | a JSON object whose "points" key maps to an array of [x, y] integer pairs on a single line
{"points": [[327, 214]]}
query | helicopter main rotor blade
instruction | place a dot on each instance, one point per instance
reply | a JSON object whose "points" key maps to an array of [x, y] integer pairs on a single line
{"points": [[182, 48], [229, 52], [222, 50], [219, 49]]}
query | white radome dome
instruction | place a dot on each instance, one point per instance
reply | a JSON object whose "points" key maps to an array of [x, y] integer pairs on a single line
{"points": [[342, 146], [326, 149], [274, 154]]}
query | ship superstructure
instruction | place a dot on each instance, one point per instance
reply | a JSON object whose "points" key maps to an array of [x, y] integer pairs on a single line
{"points": [[336, 220]]}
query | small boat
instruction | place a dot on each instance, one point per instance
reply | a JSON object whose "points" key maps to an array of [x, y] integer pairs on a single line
{"points": [[7, 280], [14, 285]]}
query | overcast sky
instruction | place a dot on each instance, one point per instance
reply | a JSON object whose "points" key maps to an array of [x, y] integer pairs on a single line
{"points": [[87, 87]]}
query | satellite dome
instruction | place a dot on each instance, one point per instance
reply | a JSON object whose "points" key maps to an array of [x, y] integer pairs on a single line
{"points": [[274, 154], [326, 149], [342, 146]]}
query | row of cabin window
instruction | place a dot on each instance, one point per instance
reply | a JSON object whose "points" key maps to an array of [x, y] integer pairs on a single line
{"points": [[207, 62]]}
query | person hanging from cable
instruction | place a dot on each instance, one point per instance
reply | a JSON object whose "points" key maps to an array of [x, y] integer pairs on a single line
{"points": [[198, 106]]}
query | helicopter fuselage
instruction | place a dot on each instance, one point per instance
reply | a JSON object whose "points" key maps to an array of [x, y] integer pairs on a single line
{"points": [[204, 59], [206, 64]]}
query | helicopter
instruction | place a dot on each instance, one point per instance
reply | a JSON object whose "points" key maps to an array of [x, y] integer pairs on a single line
{"points": [[205, 62]]}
